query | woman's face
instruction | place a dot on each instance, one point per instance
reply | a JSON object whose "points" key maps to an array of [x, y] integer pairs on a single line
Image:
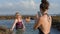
{"points": [[18, 16]]}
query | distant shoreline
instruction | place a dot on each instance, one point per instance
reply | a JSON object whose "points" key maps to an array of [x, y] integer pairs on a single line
{"points": [[6, 17]]}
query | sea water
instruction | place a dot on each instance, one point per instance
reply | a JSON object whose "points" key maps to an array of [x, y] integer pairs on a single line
{"points": [[29, 27]]}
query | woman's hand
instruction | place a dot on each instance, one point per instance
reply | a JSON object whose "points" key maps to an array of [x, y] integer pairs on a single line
{"points": [[11, 29], [34, 28], [24, 29]]}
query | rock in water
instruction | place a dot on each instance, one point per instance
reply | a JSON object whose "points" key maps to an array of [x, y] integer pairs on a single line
{"points": [[5, 30]]}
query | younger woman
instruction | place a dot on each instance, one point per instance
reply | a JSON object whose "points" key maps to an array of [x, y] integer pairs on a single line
{"points": [[44, 21]]}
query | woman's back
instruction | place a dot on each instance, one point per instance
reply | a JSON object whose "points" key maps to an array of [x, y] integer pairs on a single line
{"points": [[45, 24]]}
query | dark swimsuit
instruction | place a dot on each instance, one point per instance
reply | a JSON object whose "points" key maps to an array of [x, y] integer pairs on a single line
{"points": [[40, 31], [19, 25]]}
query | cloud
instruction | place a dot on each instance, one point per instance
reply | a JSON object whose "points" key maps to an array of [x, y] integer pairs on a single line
{"points": [[0, 5], [24, 4], [54, 7], [10, 4], [27, 6]]}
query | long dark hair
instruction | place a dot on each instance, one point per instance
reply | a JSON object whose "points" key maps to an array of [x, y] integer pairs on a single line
{"points": [[44, 5]]}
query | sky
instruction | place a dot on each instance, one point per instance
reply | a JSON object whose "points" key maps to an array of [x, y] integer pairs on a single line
{"points": [[27, 7]]}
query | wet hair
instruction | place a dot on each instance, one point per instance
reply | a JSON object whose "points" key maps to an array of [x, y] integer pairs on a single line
{"points": [[44, 5]]}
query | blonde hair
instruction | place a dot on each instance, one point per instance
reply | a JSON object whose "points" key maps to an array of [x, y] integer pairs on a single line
{"points": [[17, 14]]}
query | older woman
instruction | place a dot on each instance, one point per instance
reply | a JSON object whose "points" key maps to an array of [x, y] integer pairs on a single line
{"points": [[19, 24]]}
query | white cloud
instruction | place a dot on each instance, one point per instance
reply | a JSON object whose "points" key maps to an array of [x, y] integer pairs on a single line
{"points": [[54, 5], [25, 6], [10, 4], [54, 8], [0, 5], [28, 4]]}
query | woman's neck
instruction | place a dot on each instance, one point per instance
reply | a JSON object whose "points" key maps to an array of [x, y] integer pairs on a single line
{"points": [[46, 12]]}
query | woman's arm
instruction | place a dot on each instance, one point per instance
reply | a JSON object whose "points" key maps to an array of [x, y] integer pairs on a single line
{"points": [[14, 24], [38, 23]]}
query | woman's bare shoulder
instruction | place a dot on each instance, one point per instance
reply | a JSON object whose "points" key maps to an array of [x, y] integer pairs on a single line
{"points": [[41, 17], [15, 20]]}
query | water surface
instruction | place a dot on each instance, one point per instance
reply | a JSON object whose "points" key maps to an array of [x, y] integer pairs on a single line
{"points": [[29, 27]]}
